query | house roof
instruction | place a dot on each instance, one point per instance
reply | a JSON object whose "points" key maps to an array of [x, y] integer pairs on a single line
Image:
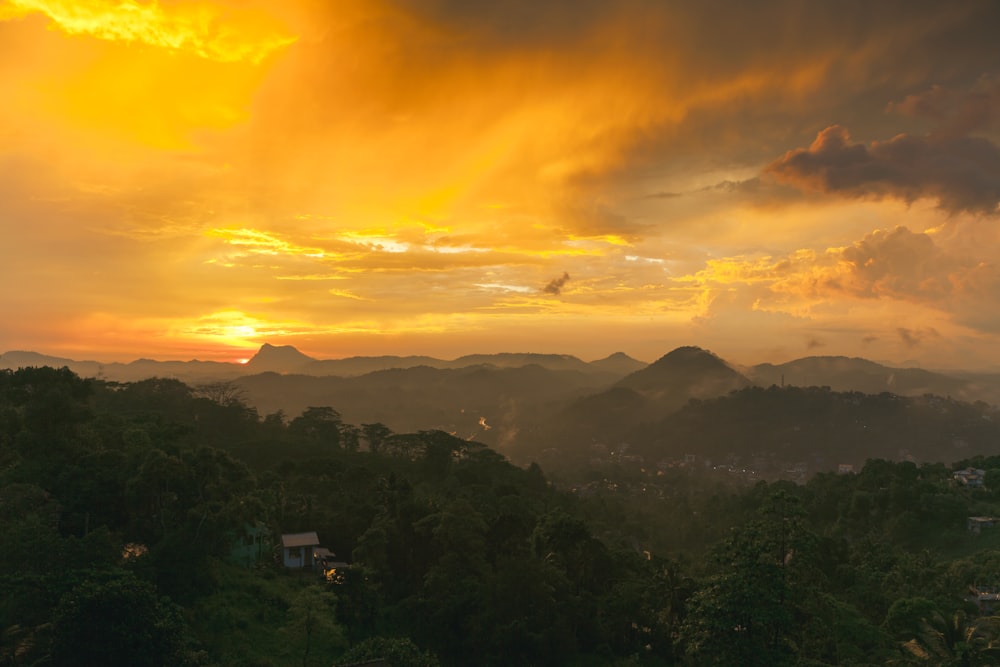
{"points": [[300, 540]]}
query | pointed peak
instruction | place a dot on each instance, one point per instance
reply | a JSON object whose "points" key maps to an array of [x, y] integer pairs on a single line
{"points": [[688, 355], [618, 363], [278, 358], [689, 365]]}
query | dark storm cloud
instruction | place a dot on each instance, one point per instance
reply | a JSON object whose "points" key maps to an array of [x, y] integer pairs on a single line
{"points": [[956, 112], [556, 284], [961, 172]]}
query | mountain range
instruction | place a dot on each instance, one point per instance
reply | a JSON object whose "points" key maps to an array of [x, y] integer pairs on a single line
{"points": [[685, 372], [286, 359], [524, 403]]}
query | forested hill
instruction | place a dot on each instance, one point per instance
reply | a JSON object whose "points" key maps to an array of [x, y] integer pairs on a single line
{"points": [[821, 429], [123, 505], [777, 432]]}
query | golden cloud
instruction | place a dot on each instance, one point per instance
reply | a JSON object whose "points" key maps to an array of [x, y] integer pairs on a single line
{"points": [[229, 34]]}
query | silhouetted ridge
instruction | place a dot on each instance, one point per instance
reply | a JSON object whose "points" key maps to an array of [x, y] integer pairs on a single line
{"points": [[518, 359], [855, 374], [691, 370], [618, 363], [278, 358]]}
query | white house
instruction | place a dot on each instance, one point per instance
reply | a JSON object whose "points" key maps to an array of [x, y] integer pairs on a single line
{"points": [[297, 549]]}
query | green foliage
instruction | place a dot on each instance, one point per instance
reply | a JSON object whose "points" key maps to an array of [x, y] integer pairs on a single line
{"points": [[119, 621], [115, 497], [395, 652]]}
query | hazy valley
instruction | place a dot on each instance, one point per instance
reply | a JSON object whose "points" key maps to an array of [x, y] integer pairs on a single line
{"points": [[778, 420]]}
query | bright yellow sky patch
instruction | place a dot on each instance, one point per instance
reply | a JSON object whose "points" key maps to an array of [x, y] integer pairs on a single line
{"points": [[207, 30]]}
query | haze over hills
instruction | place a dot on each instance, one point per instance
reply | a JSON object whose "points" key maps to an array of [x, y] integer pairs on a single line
{"points": [[854, 374], [688, 370], [523, 404], [140, 369], [837, 372], [286, 359]]}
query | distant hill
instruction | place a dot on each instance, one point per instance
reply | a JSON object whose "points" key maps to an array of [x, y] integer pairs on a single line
{"points": [[527, 405], [193, 371], [556, 362], [287, 359], [352, 366], [647, 394], [818, 428], [277, 359], [488, 403], [684, 372], [24, 359], [687, 372], [189, 371], [854, 374], [618, 363]]}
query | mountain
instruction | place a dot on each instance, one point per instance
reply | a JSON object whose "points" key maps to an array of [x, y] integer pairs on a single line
{"points": [[801, 430], [555, 362], [687, 372], [23, 359], [354, 366], [287, 359], [618, 363], [484, 402], [854, 374], [605, 418], [530, 406], [278, 359]]}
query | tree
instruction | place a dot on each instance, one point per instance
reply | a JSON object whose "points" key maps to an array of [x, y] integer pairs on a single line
{"points": [[311, 625], [928, 636], [393, 651], [375, 434], [740, 616], [118, 622], [318, 425], [747, 613], [223, 393]]}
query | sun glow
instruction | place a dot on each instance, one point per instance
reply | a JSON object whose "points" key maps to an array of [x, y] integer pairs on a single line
{"points": [[204, 30]]}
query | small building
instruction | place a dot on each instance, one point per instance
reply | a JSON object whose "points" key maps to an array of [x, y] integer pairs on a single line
{"points": [[845, 469], [970, 476], [297, 549], [985, 597], [252, 545], [975, 524]]}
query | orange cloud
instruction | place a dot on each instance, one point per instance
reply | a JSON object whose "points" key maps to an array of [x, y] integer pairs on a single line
{"points": [[961, 172], [229, 34]]}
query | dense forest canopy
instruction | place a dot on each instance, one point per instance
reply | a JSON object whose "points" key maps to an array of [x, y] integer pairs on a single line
{"points": [[124, 504]]}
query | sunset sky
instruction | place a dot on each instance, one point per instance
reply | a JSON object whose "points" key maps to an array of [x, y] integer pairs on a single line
{"points": [[769, 179]]}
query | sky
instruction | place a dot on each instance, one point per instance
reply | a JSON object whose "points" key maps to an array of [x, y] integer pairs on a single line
{"points": [[769, 179]]}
